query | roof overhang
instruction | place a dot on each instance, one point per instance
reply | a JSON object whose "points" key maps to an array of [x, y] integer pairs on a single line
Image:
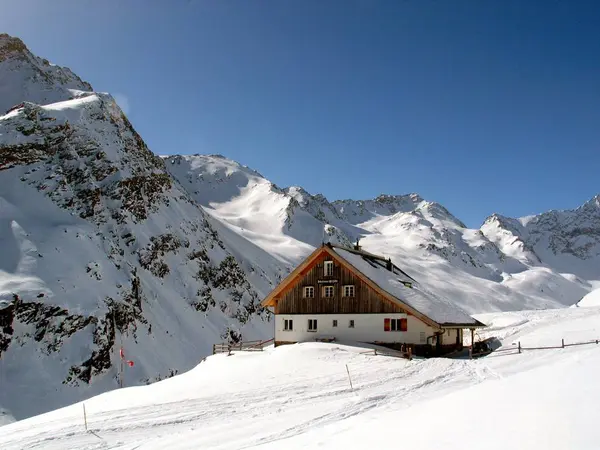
{"points": [[478, 324]]}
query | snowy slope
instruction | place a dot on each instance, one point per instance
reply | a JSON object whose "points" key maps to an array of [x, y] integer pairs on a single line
{"points": [[101, 245], [285, 223], [298, 396], [591, 299]]}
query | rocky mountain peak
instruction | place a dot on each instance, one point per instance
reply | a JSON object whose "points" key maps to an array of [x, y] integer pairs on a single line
{"points": [[26, 77], [592, 204], [11, 47]]}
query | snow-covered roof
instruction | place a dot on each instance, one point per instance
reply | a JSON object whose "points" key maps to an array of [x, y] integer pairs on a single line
{"points": [[396, 283]]}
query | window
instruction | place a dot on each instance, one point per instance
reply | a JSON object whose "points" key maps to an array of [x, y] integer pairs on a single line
{"points": [[351, 324], [309, 292], [312, 324], [288, 325], [422, 337], [328, 269], [334, 323], [328, 291], [349, 290], [395, 325]]}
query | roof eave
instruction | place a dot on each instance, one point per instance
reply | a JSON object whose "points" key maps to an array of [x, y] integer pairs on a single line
{"points": [[478, 324]]}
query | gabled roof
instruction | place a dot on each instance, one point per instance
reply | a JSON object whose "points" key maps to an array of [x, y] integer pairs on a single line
{"points": [[396, 283], [390, 281]]}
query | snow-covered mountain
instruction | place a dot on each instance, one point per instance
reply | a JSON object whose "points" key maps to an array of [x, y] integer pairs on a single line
{"points": [[101, 245], [483, 269], [102, 242], [568, 241]]}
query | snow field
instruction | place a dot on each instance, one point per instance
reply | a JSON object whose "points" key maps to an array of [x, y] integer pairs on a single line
{"points": [[299, 396]]}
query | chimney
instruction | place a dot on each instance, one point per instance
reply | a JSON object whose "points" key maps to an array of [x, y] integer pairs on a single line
{"points": [[389, 265], [356, 246]]}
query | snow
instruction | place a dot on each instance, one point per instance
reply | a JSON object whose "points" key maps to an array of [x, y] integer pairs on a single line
{"points": [[298, 396], [591, 299]]}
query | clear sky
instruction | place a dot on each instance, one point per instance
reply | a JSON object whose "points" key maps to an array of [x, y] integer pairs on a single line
{"points": [[483, 106]]}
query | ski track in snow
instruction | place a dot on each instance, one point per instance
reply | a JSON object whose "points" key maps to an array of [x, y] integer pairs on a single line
{"points": [[288, 396]]}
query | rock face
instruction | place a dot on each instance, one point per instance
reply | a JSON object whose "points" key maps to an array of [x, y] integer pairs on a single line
{"points": [[106, 245]]}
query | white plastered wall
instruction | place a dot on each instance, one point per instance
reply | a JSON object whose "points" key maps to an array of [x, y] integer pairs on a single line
{"points": [[367, 328]]}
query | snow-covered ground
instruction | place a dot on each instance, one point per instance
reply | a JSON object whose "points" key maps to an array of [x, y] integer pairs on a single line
{"points": [[591, 299], [299, 397]]}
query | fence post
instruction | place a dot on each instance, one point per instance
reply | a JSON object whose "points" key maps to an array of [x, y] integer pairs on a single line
{"points": [[410, 353], [350, 379], [519, 346], [85, 417], [563, 343]]}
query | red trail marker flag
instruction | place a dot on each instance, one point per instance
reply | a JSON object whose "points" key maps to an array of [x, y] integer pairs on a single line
{"points": [[122, 354]]}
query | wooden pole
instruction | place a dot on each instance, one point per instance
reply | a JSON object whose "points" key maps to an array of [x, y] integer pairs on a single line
{"points": [[349, 379], [120, 370], [85, 417], [519, 346], [472, 343]]}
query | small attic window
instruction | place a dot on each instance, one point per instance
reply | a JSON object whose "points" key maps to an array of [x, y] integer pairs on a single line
{"points": [[328, 268]]}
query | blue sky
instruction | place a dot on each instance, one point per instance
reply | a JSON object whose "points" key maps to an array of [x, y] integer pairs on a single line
{"points": [[483, 106]]}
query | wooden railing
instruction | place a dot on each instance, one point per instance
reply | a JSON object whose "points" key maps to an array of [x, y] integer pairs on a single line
{"points": [[389, 352], [519, 349], [248, 346]]}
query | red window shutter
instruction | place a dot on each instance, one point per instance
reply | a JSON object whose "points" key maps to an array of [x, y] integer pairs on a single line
{"points": [[403, 325], [386, 324]]}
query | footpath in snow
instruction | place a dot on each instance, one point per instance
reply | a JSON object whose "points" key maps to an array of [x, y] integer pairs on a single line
{"points": [[299, 396]]}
